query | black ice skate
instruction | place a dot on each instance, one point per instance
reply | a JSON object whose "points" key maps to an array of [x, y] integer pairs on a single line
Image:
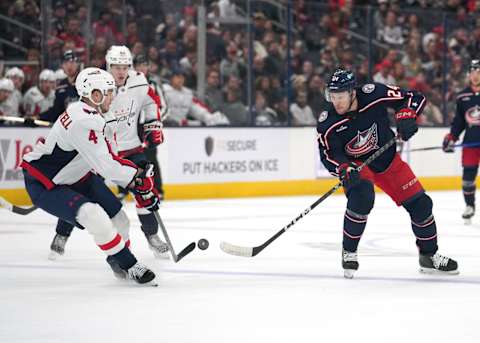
{"points": [[141, 274], [57, 248], [160, 248], [468, 214], [118, 272], [349, 263], [437, 264]]}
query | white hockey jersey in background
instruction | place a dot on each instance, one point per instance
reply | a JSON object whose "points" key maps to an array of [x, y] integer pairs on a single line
{"points": [[34, 102], [134, 98], [74, 146]]}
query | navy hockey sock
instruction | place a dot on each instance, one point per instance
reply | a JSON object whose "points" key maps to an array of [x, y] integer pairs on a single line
{"points": [[353, 227], [64, 228], [423, 223], [125, 258], [149, 224], [468, 185]]}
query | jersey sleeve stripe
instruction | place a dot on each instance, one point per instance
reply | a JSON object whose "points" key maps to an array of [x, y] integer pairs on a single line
{"points": [[327, 147], [156, 99], [122, 161], [37, 174], [379, 100]]}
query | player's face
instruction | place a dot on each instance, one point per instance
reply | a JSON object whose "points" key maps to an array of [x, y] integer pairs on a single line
{"points": [[46, 86], [4, 95], [105, 106], [177, 81], [475, 77], [341, 101], [120, 73], [70, 68]]}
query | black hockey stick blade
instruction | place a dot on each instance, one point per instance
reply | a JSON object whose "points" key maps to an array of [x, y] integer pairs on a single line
{"points": [[16, 209], [188, 249], [238, 250]]}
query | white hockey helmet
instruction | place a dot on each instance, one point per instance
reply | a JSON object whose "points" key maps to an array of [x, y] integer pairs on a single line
{"points": [[60, 74], [118, 54], [15, 71], [90, 79], [47, 75], [6, 85]]}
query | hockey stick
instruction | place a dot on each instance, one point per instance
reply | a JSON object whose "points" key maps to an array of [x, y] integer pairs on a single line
{"points": [[466, 145], [37, 122], [237, 250], [187, 250], [16, 209]]}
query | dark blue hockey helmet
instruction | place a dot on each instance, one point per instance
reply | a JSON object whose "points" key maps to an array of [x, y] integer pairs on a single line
{"points": [[341, 80], [474, 65]]}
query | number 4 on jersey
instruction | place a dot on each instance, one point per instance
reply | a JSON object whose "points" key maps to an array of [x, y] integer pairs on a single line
{"points": [[92, 137]]}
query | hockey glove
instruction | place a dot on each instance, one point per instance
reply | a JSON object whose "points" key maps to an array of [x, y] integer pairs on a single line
{"points": [[149, 201], [153, 134], [29, 122], [448, 143], [406, 123], [143, 183], [348, 174]]}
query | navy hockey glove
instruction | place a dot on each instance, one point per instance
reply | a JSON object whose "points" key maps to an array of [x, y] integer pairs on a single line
{"points": [[448, 143], [153, 134], [406, 123], [348, 174]]}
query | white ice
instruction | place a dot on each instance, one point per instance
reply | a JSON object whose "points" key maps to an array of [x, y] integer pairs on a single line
{"points": [[293, 291]]}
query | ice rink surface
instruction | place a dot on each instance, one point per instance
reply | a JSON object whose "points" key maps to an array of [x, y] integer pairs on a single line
{"points": [[293, 291]]}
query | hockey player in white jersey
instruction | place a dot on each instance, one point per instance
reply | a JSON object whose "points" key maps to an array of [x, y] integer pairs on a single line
{"points": [[134, 107], [183, 104], [59, 180], [40, 98]]}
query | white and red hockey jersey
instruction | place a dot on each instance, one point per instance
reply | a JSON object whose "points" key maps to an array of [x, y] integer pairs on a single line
{"points": [[135, 103], [34, 102], [75, 145], [182, 103]]}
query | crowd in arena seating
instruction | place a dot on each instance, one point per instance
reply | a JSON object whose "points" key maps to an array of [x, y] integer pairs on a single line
{"points": [[421, 44]]}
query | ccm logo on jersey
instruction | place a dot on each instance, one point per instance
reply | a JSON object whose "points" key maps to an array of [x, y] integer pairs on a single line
{"points": [[363, 142], [409, 184]]}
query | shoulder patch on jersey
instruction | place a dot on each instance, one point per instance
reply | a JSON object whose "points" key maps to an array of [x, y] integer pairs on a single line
{"points": [[368, 88], [323, 116]]}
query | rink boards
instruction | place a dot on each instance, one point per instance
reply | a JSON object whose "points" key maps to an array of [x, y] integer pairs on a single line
{"points": [[236, 162]]}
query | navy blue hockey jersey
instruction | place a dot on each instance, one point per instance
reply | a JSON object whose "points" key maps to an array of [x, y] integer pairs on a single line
{"points": [[356, 135], [467, 116]]}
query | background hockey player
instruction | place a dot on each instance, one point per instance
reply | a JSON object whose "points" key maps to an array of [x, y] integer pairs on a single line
{"points": [[183, 104], [6, 90], [467, 117], [40, 98], [58, 175], [353, 128], [65, 92], [140, 64], [18, 77]]}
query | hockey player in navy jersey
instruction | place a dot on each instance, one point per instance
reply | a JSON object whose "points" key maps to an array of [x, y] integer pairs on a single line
{"points": [[135, 106], [353, 127], [59, 180], [467, 118]]}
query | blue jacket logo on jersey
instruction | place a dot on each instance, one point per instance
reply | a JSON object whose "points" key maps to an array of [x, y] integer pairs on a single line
{"points": [[472, 116], [363, 143]]}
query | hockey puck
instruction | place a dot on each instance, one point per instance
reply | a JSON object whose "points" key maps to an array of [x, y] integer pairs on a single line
{"points": [[203, 244]]}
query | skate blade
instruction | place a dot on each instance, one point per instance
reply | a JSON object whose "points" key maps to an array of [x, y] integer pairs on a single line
{"points": [[467, 221], [432, 271], [53, 255], [348, 273]]}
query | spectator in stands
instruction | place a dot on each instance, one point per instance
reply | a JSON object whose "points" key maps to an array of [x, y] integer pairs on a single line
{"points": [[213, 93], [6, 90], [316, 99], [72, 33], [391, 33], [40, 98], [18, 77], [58, 21], [383, 75], [264, 115], [235, 110], [302, 113], [105, 27], [132, 33], [231, 64]]}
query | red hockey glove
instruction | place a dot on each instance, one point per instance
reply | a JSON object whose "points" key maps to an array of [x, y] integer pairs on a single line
{"points": [[348, 174], [149, 201], [448, 143], [153, 134], [143, 183], [406, 123]]}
